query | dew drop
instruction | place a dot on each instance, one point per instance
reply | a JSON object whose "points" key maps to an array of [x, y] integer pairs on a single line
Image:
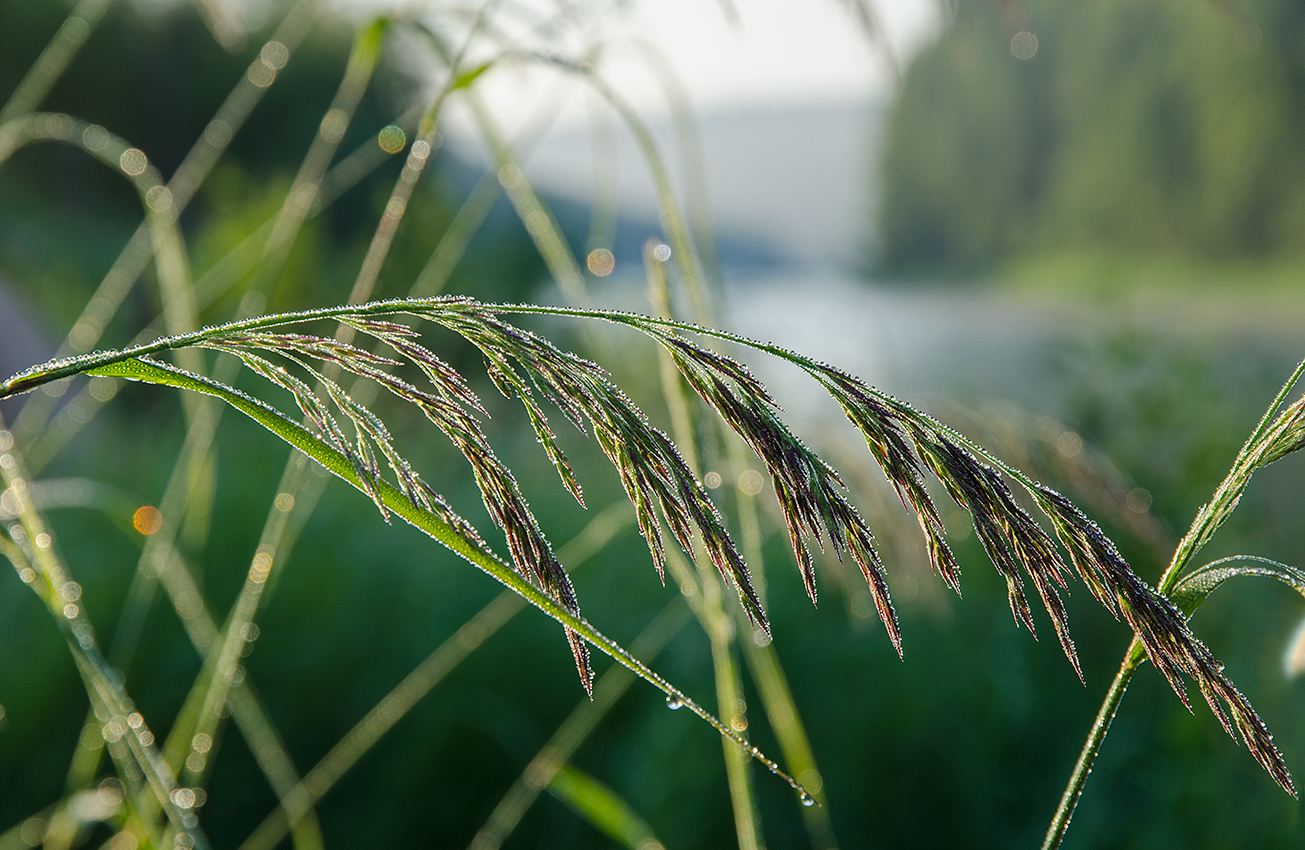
{"points": [[806, 799], [674, 703]]}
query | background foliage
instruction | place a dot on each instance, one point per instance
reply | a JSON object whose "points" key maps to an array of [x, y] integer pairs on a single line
{"points": [[1153, 129]]}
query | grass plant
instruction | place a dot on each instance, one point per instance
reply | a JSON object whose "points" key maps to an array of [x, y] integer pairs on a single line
{"points": [[341, 385]]}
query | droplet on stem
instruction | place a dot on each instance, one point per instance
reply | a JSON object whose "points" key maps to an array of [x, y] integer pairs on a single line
{"points": [[674, 703]]}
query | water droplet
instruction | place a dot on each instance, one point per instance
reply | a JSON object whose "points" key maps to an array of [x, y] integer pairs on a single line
{"points": [[674, 703], [806, 799]]}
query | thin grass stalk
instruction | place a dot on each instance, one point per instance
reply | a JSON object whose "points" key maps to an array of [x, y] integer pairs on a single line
{"points": [[672, 218], [198, 720], [672, 389], [561, 746], [551, 245], [161, 218], [156, 554], [53, 583], [199, 161], [224, 28], [471, 215], [417, 684], [709, 610], [427, 142], [603, 808], [457, 237], [697, 206], [729, 698], [539, 222], [605, 197], [535, 216], [364, 53], [54, 59], [1133, 658]]}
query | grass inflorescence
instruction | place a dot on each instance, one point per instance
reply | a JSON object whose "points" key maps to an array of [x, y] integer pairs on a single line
{"points": [[662, 488]]}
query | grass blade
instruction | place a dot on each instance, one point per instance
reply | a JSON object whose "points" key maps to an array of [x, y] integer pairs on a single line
{"points": [[54, 59], [553, 756], [606, 810]]}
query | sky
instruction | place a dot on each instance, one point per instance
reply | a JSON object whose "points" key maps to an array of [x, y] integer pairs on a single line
{"points": [[742, 53], [774, 51], [725, 52]]}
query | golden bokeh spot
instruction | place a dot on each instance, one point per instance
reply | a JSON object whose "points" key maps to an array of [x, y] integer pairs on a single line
{"points": [[147, 519], [391, 139], [601, 262]]}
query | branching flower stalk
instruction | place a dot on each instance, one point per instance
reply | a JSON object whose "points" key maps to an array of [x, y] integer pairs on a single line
{"points": [[351, 442], [1272, 439]]}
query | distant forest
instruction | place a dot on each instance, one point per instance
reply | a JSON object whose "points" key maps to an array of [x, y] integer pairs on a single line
{"points": [[1171, 128]]}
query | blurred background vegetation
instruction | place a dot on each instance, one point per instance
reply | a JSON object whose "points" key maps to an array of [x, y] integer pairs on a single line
{"points": [[1142, 133], [1144, 144]]}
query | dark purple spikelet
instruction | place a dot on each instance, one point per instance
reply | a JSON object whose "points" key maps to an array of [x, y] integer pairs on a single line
{"points": [[652, 471], [809, 491]]}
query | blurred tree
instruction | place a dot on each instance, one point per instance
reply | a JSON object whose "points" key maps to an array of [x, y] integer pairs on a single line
{"points": [[1136, 128]]}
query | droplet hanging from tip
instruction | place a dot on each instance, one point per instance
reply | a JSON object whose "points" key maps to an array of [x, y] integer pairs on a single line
{"points": [[806, 799]]}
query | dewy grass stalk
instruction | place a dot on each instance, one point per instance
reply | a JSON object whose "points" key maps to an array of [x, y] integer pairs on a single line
{"points": [[808, 491]]}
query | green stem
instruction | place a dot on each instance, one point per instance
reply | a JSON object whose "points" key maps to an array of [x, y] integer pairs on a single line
{"points": [[1207, 521], [55, 58], [1078, 778]]}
